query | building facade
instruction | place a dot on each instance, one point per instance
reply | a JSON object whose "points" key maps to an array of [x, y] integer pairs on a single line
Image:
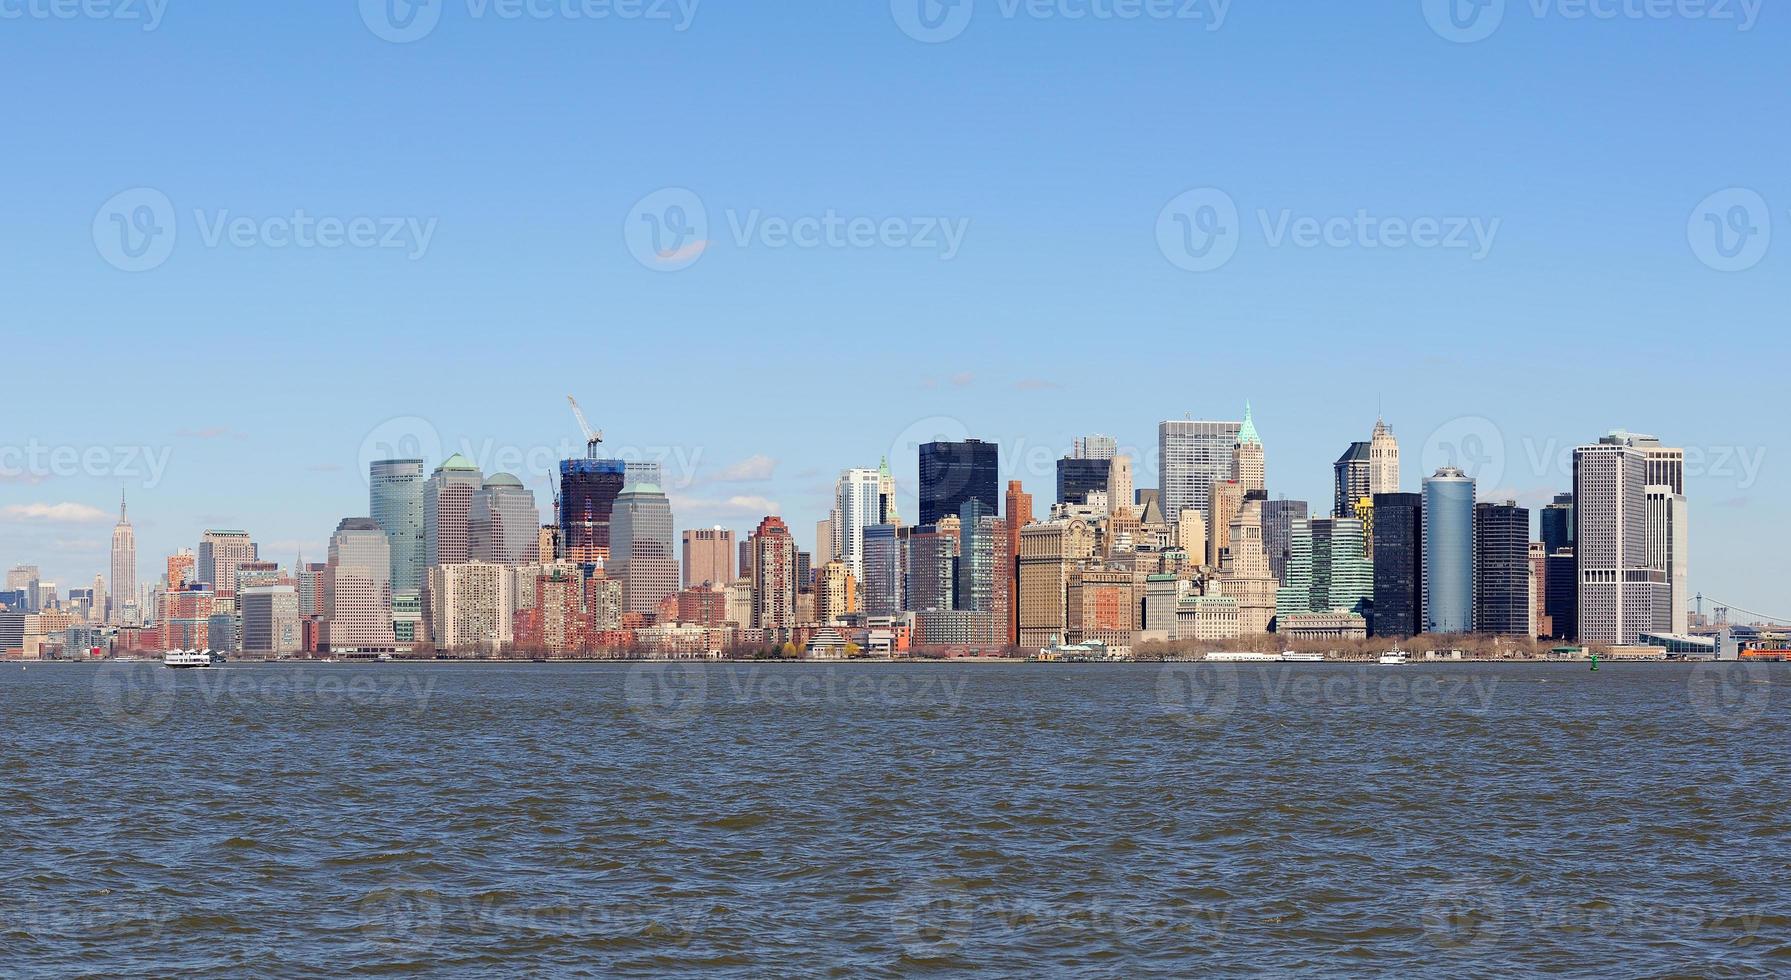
{"points": [[1448, 600], [1398, 565], [1502, 596], [1192, 456], [952, 473]]}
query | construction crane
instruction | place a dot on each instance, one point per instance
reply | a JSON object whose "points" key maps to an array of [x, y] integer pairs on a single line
{"points": [[593, 438]]}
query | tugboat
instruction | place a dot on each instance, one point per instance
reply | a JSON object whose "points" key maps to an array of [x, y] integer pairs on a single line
{"points": [[191, 659]]}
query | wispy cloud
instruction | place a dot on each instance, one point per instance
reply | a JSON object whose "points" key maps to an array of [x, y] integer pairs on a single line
{"points": [[741, 505], [753, 469], [1037, 384], [63, 513], [325, 467], [962, 379], [211, 432]]}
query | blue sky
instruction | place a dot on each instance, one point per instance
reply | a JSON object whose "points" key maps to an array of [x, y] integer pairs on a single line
{"points": [[1587, 150]]}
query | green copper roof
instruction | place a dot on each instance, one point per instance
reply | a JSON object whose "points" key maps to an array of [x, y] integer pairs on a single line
{"points": [[457, 462], [1247, 434]]}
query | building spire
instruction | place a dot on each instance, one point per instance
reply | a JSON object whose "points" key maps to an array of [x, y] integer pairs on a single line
{"points": [[1247, 432]]}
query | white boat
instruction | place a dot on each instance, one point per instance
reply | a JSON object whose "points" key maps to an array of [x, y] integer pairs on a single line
{"points": [[1226, 657], [1303, 658], [190, 659], [1393, 658]]}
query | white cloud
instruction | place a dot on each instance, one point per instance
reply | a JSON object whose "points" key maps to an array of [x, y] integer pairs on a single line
{"points": [[749, 470], [63, 513]]}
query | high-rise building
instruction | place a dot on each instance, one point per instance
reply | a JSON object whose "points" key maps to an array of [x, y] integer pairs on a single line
{"points": [[1398, 564], [836, 592], [774, 584], [881, 592], [1190, 536], [1193, 456], [636, 471], [1248, 466], [1120, 490], [270, 617], [503, 523], [1017, 515], [588, 491], [887, 512], [1246, 576], [447, 505], [953, 472], [1328, 568], [1077, 478], [1225, 499], [1561, 596], [1448, 600], [1539, 619], [857, 503], [1383, 460], [977, 572], [124, 564], [1667, 543], [472, 607], [1502, 598], [1618, 589], [1049, 553], [219, 554], [1277, 515], [358, 588], [709, 557], [933, 565], [641, 551], [1095, 447], [395, 502], [1557, 523], [1351, 479]]}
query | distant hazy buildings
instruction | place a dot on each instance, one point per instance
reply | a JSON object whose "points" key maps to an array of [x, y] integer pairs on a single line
{"points": [[954, 472], [1448, 601]]}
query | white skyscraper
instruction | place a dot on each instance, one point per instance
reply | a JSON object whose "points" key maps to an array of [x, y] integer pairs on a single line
{"points": [[1618, 589], [855, 507], [1193, 456], [1095, 447], [1667, 543], [1383, 460]]}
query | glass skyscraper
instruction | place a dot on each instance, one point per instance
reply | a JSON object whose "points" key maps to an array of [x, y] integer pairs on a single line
{"points": [[1449, 552], [1192, 457], [395, 502], [952, 473], [1398, 564]]}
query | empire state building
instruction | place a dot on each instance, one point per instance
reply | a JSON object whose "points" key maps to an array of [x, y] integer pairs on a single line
{"points": [[124, 563]]}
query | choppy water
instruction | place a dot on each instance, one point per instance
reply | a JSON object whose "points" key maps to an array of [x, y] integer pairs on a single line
{"points": [[884, 820]]}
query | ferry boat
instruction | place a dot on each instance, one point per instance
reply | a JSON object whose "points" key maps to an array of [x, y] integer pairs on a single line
{"points": [[1394, 658], [1230, 657], [1303, 658], [189, 659]]}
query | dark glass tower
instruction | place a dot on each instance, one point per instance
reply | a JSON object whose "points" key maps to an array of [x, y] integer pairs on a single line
{"points": [[588, 491], [1398, 564], [1557, 523], [1502, 569], [1077, 478], [952, 473]]}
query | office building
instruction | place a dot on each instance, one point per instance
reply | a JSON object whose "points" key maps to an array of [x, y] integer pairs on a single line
{"points": [[1352, 477], [1193, 455], [1017, 515], [1448, 600], [1667, 545], [1618, 589], [503, 523], [885, 570], [641, 550], [1398, 537], [887, 511], [1248, 466], [219, 554], [1502, 600], [1383, 460], [709, 557], [472, 607], [124, 565], [933, 565], [1557, 523], [773, 567], [447, 505], [1049, 553], [1277, 516], [358, 588], [395, 502], [836, 592], [1095, 447], [588, 491], [954, 472], [270, 620], [857, 504], [1077, 478]]}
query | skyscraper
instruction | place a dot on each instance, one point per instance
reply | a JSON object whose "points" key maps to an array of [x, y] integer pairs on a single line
{"points": [[887, 512], [1383, 460], [1225, 499], [588, 490], [933, 566], [1248, 466], [1077, 478], [1120, 491], [641, 552], [395, 502], [1667, 543], [1502, 568], [1398, 564], [1351, 479], [447, 503], [1618, 588], [358, 588], [773, 576], [270, 615], [884, 565], [1448, 600], [1017, 516], [709, 557], [1557, 523], [219, 554], [1193, 456], [953, 472], [1277, 515], [1095, 447], [503, 523], [124, 564], [1328, 568], [1246, 578], [857, 504]]}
